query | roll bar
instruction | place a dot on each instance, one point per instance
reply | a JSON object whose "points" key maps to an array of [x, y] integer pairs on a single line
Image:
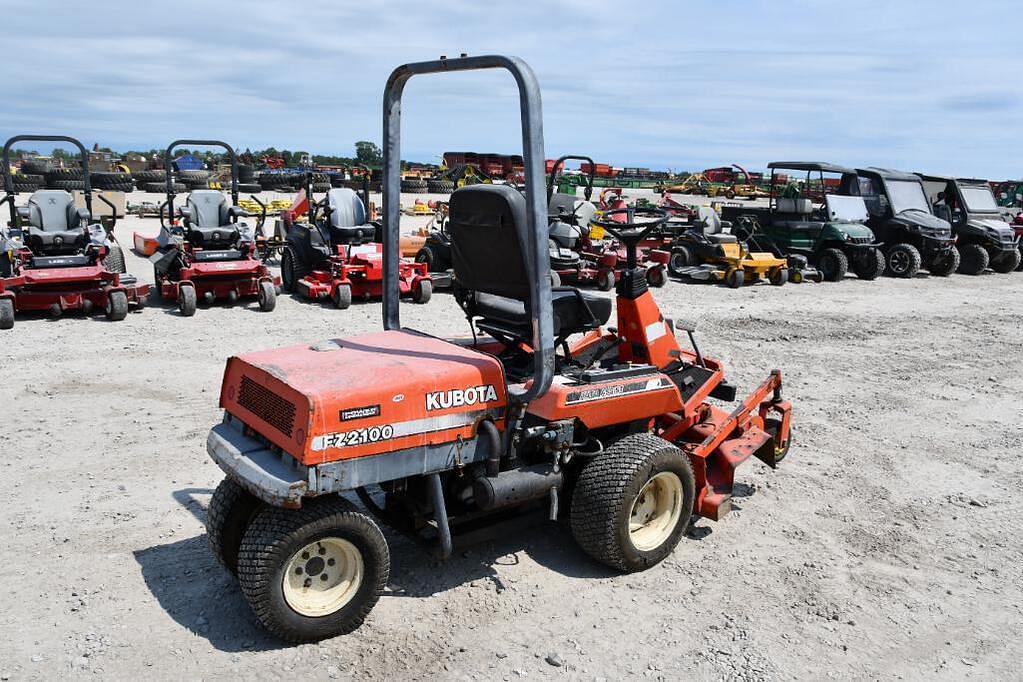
{"points": [[538, 266], [9, 182], [560, 163], [167, 162]]}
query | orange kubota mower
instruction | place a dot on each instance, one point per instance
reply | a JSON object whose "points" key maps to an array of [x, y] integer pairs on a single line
{"points": [[545, 405]]}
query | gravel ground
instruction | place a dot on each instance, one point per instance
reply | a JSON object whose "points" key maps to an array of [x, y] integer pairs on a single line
{"points": [[888, 544]]}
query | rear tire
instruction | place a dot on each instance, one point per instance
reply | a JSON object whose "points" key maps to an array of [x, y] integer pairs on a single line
{"points": [[944, 264], [292, 269], [342, 296], [287, 554], [1006, 262], [117, 306], [6, 313], [187, 300], [267, 296], [833, 265], [903, 261], [114, 262], [680, 258], [633, 502], [869, 265], [230, 511], [426, 255], [973, 259], [423, 292]]}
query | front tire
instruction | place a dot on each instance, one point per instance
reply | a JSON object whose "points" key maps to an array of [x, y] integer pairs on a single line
{"points": [[267, 296], [342, 296], [606, 280], [187, 301], [735, 278], [869, 265], [313, 573], [656, 277], [903, 261], [944, 264], [973, 259], [633, 502], [117, 306], [6, 313], [423, 292], [1006, 262], [833, 265], [779, 277]]}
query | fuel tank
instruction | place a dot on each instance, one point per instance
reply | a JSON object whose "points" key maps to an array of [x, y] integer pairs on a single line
{"points": [[364, 395]]}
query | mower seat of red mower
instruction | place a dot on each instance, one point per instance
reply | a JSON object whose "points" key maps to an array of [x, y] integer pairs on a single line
{"points": [[346, 218], [490, 250], [55, 225], [208, 216]]}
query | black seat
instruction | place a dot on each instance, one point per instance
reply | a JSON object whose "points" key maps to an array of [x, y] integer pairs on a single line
{"points": [[209, 220], [490, 252], [346, 219], [55, 225]]}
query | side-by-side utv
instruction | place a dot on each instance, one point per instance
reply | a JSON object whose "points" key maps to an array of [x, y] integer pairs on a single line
{"points": [[54, 258], [807, 221], [983, 238], [545, 405], [901, 219]]}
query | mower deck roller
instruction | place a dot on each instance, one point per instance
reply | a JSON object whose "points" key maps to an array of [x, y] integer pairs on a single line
{"points": [[546, 403], [54, 258]]}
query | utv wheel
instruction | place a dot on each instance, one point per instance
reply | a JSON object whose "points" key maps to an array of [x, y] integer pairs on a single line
{"points": [[1020, 250], [114, 262], [944, 264], [423, 292], [903, 261], [680, 259], [315, 572], [342, 296], [973, 259], [292, 269], [6, 313], [833, 265], [773, 428], [656, 277], [633, 502], [186, 300], [267, 296], [869, 265], [605, 280], [230, 511], [735, 278], [117, 306], [1006, 262], [779, 277]]}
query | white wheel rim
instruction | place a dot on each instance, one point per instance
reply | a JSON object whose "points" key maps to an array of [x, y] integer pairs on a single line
{"points": [[323, 577], [655, 511]]}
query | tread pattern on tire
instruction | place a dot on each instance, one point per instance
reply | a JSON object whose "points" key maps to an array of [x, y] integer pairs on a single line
{"points": [[271, 528], [230, 503], [973, 259], [842, 263], [599, 495]]}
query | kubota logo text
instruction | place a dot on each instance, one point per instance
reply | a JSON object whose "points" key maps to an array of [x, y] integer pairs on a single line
{"points": [[459, 397]]}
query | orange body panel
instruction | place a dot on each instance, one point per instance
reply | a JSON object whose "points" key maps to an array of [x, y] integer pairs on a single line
{"points": [[364, 395], [600, 404], [144, 246], [641, 322]]}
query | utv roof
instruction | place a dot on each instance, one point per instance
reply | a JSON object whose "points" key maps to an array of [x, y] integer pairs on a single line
{"points": [[809, 166], [888, 173], [948, 178]]}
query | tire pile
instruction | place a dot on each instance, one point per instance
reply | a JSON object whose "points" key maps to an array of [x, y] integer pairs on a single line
{"points": [[423, 186]]}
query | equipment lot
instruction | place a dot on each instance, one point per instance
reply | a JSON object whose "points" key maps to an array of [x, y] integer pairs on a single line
{"points": [[889, 545]]}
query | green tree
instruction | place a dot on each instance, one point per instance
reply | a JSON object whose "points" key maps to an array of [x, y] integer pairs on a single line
{"points": [[368, 153]]}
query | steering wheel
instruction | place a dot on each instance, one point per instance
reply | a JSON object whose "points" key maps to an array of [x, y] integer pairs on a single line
{"points": [[632, 229]]}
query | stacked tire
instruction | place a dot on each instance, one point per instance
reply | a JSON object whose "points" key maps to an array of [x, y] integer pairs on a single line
{"points": [[194, 179], [33, 167], [272, 182], [25, 182], [246, 174], [67, 179], [148, 177], [161, 187], [249, 187], [414, 186], [440, 186], [111, 182]]}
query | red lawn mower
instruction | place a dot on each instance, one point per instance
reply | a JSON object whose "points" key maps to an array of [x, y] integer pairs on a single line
{"points": [[579, 253], [54, 258], [204, 253], [337, 254], [612, 430]]}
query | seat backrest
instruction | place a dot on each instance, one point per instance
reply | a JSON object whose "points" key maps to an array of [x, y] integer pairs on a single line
{"points": [[797, 206], [490, 240], [584, 212], [52, 210], [346, 208], [209, 208], [710, 220]]}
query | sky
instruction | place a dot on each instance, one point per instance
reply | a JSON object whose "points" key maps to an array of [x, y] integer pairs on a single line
{"points": [[680, 85]]}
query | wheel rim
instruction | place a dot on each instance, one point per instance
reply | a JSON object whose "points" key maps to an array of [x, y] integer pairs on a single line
{"points": [[323, 577], [655, 511], [899, 262]]}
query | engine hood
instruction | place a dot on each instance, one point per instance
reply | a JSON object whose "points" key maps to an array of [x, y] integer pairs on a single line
{"points": [[997, 229], [363, 395], [929, 224], [855, 230]]}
